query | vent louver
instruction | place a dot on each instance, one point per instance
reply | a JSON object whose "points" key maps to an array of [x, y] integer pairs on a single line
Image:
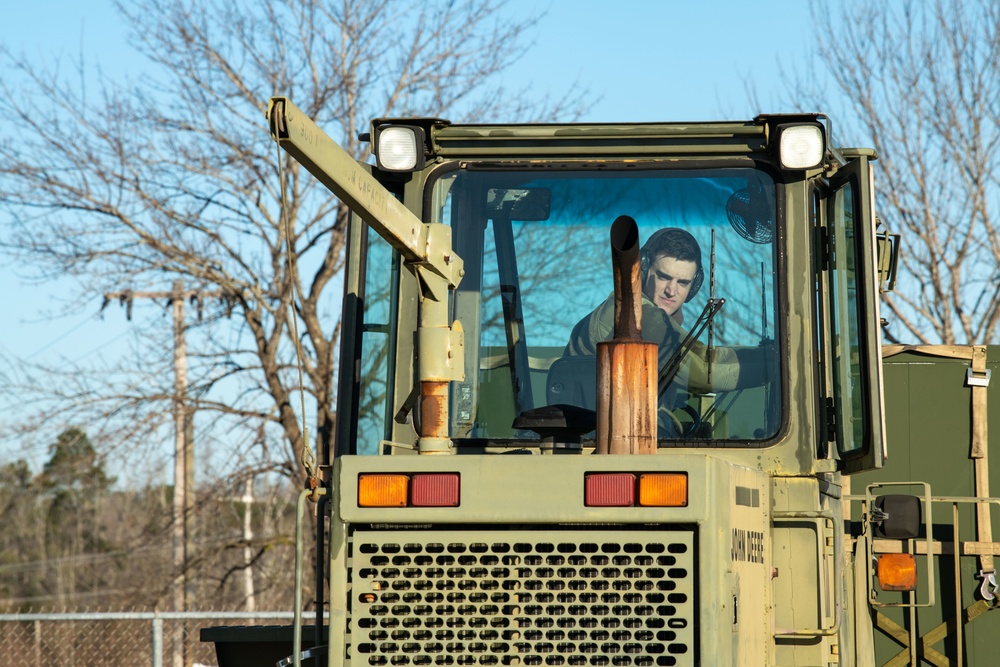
{"points": [[529, 598]]}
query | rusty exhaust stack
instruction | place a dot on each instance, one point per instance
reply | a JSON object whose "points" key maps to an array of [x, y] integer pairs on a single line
{"points": [[626, 365]]}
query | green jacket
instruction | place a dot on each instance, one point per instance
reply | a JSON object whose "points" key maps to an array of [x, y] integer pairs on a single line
{"points": [[732, 368]]}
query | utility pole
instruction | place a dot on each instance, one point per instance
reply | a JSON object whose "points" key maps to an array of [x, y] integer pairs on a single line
{"points": [[247, 550], [183, 443], [181, 453]]}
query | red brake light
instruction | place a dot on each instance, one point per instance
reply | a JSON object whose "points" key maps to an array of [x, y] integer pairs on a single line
{"points": [[434, 490], [609, 489]]}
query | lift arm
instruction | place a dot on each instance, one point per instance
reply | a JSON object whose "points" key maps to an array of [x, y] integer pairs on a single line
{"points": [[426, 248], [425, 245]]}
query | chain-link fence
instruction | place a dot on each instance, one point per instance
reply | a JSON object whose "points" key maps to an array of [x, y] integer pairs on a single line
{"points": [[112, 639]]}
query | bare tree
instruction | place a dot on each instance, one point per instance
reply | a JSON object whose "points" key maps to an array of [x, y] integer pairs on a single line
{"points": [[922, 81], [175, 177]]}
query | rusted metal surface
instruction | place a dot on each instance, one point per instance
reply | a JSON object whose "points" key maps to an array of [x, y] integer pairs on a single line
{"points": [[627, 366], [626, 397], [433, 409]]}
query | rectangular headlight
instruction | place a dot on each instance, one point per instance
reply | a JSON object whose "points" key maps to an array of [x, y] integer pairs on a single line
{"points": [[801, 146], [399, 147]]}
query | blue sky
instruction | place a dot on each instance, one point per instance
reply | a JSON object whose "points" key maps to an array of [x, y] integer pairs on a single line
{"points": [[643, 60], [646, 59], [669, 60]]}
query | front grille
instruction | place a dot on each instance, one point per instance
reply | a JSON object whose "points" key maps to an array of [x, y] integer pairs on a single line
{"points": [[617, 598]]}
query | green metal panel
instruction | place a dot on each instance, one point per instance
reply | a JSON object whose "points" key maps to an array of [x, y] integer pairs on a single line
{"points": [[518, 488], [932, 408], [928, 424], [535, 506]]}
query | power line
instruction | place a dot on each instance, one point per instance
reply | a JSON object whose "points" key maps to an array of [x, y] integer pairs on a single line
{"points": [[59, 338], [87, 319]]}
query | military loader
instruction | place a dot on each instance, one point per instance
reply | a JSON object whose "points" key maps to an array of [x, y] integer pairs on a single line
{"points": [[546, 455]]}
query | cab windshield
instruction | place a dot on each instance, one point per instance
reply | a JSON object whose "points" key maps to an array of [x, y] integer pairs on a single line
{"points": [[537, 295]]}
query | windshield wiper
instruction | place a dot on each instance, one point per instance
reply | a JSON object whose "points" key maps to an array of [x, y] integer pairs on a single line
{"points": [[673, 365]]}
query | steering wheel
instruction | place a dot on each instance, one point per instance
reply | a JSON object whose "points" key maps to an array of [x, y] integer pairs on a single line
{"points": [[685, 428]]}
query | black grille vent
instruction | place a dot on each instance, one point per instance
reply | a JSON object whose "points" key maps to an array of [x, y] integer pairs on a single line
{"points": [[534, 598]]}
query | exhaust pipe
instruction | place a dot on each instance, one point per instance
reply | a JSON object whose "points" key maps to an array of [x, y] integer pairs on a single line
{"points": [[627, 366]]}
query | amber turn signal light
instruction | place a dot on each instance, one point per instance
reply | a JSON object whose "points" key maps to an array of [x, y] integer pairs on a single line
{"points": [[897, 572], [383, 490], [663, 489]]}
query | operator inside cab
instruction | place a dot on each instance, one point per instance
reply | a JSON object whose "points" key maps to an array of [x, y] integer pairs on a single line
{"points": [[672, 275]]}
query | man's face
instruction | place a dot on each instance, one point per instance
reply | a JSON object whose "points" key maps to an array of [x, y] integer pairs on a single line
{"points": [[669, 282]]}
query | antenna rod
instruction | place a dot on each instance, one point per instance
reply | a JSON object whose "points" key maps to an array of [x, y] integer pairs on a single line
{"points": [[711, 297], [763, 305]]}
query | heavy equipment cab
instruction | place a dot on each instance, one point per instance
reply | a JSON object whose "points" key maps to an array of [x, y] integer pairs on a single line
{"points": [[788, 252]]}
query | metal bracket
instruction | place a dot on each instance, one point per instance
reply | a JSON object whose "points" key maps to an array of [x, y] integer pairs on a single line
{"points": [[382, 444], [927, 541], [442, 353], [978, 378], [989, 588]]}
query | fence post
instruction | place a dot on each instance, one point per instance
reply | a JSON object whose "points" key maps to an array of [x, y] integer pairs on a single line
{"points": [[157, 641], [38, 643]]}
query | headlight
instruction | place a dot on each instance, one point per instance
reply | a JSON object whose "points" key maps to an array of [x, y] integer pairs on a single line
{"points": [[801, 146], [399, 147]]}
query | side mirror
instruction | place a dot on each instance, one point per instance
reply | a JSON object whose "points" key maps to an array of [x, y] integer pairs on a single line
{"points": [[896, 517], [887, 252]]}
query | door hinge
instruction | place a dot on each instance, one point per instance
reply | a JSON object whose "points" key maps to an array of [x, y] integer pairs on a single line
{"points": [[823, 238], [831, 420]]}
